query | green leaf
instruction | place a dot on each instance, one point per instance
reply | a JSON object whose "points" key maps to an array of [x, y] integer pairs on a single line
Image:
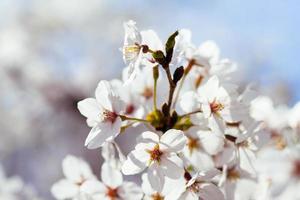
{"points": [[159, 57], [170, 46], [178, 73]]}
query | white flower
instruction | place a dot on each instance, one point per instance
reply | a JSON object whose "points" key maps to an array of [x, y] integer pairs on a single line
{"points": [[133, 106], [281, 169], [77, 173], [218, 104], [112, 154], [164, 193], [204, 55], [132, 50], [159, 155], [143, 87], [194, 151], [237, 183], [102, 114], [200, 186], [112, 187]]}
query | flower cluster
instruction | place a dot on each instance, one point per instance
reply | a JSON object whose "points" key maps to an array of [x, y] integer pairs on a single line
{"points": [[199, 133]]}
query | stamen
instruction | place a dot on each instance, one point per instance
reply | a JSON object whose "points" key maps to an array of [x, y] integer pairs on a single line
{"points": [[157, 196], [131, 51], [215, 106], [112, 193], [193, 144], [129, 109], [155, 154], [109, 116], [233, 174], [148, 92]]}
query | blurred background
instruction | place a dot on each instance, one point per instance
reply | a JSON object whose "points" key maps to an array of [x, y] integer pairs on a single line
{"points": [[53, 53]]}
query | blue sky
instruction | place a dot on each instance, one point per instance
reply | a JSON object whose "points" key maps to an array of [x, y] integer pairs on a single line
{"points": [[262, 36]]}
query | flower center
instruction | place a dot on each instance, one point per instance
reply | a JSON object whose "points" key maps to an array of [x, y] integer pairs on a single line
{"points": [[195, 187], [278, 140], [82, 180], [148, 93], [129, 109], [296, 169], [155, 154], [193, 143], [215, 106], [131, 51], [157, 196], [112, 193], [109, 116], [233, 174]]}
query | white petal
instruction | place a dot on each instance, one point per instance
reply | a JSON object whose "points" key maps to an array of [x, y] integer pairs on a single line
{"points": [[171, 166], [92, 187], [210, 89], [136, 162], [64, 189], [173, 140], [103, 132], [118, 105], [209, 191], [156, 177], [211, 142], [111, 176], [210, 49], [151, 38], [98, 135], [90, 108], [247, 159], [148, 136], [102, 93], [132, 35], [188, 195], [189, 102], [216, 124], [130, 191], [208, 175], [205, 106], [199, 157], [76, 169]]}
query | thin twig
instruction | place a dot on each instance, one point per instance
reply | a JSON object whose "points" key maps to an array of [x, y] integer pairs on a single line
{"points": [[172, 88], [123, 117], [191, 113]]}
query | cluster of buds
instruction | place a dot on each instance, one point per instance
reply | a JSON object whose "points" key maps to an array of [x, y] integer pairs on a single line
{"points": [[199, 133]]}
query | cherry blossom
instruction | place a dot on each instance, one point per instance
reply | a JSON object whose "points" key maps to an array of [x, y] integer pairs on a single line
{"points": [[77, 173], [199, 135], [102, 115], [158, 154]]}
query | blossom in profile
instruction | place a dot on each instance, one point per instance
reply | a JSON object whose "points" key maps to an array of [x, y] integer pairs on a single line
{"points": [[102, 115], [132, 49]]}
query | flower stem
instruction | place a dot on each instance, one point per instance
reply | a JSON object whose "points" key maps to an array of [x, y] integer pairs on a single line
{"points": [[186, 71], [123, 118], [172, 88], [191, 113], [155, 77]]}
